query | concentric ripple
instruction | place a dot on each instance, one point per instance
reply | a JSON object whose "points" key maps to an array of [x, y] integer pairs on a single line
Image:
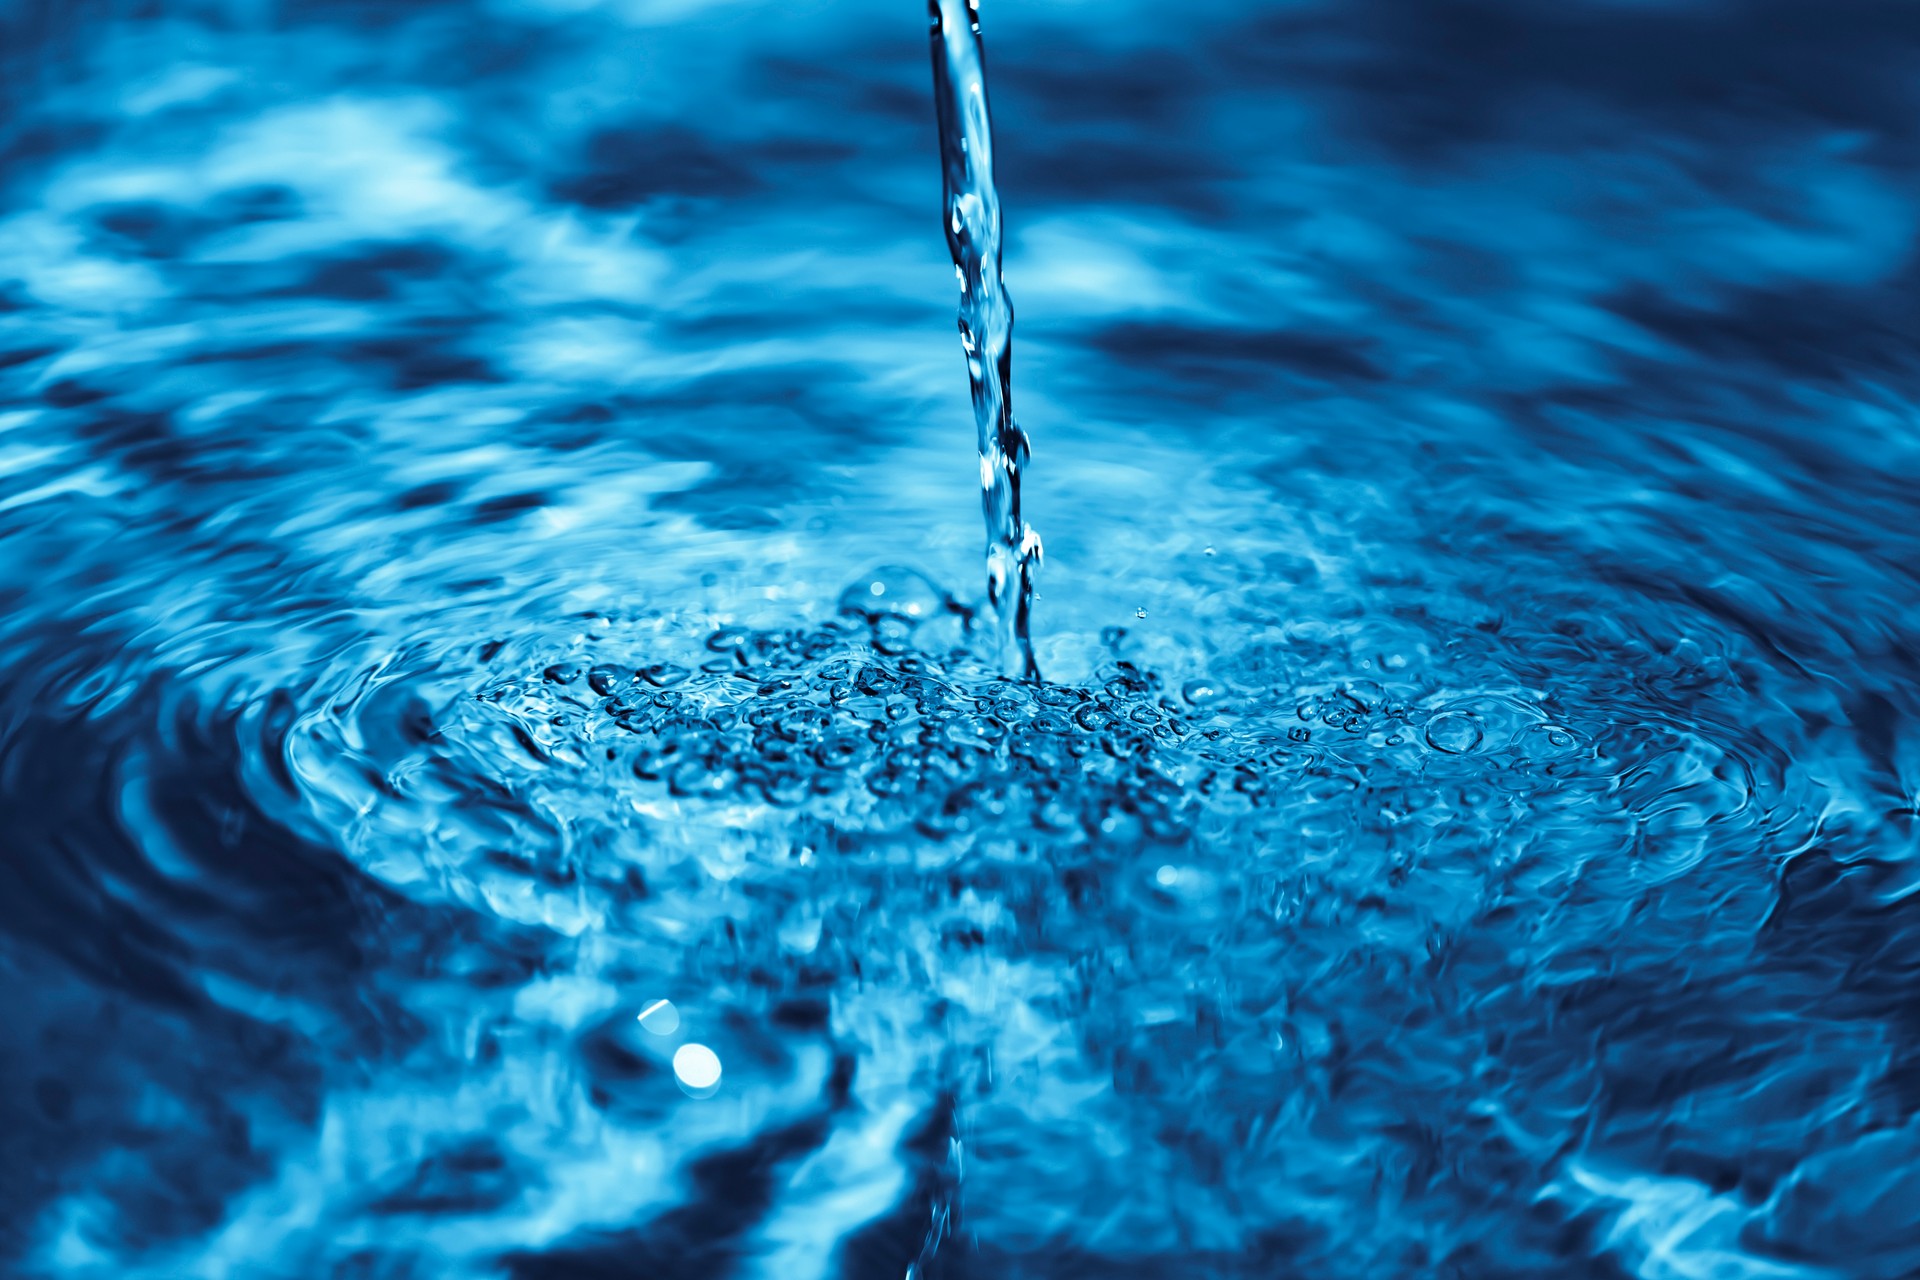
{"points": [[1314, 958], [503, 773]]}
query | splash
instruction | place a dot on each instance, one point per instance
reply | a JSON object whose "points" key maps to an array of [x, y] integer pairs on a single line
{"points": [[986, 320], [453, 829]]}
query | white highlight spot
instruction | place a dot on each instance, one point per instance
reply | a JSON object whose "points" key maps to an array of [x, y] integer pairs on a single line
{"points": [[661, 1018], [1167, 876], [698, 1069]]}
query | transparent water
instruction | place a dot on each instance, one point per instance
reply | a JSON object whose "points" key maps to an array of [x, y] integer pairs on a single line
{"points": [[986, 321], [1467, 825]]}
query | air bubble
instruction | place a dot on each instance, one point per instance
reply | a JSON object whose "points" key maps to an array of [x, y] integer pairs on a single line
{"points": [[1201, 693], [605, 680], [894, 591], [1094, 718], [665, 674], [1454, 734]]}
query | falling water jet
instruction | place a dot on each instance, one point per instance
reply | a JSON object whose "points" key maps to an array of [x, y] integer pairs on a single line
{"points": [[972, 208]]}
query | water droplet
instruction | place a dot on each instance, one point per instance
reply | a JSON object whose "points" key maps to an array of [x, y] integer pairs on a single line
{"points": [[1207, 551], [660, 1017], [697, 1068], [1141, 612], [1453, 733], [1201, 693]]}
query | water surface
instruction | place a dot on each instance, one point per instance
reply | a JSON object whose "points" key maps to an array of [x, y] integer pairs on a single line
{"points": [[1467, 828]]}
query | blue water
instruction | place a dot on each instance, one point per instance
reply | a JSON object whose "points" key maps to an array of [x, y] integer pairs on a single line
{"points": [[976, 235], [1468, 826]]}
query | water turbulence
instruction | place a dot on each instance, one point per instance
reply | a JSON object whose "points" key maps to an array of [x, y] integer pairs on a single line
{"points": [[466, 813], [986, 319]]}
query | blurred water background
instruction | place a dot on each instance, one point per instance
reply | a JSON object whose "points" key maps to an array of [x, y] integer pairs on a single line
{"points": [[490, 543]]}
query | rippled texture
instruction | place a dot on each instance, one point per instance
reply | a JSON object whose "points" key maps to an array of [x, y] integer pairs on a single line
{"points": [[490, 546]]}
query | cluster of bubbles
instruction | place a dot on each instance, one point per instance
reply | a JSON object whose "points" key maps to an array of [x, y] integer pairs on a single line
{"points": [[854, 723], [1075, 908], [1326, 950]]}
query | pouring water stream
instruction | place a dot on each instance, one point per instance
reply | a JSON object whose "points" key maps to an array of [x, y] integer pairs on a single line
{"points": [[972, 207]]}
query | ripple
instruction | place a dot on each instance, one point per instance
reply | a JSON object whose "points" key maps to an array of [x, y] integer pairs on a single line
{"points": [[488, 532]]}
